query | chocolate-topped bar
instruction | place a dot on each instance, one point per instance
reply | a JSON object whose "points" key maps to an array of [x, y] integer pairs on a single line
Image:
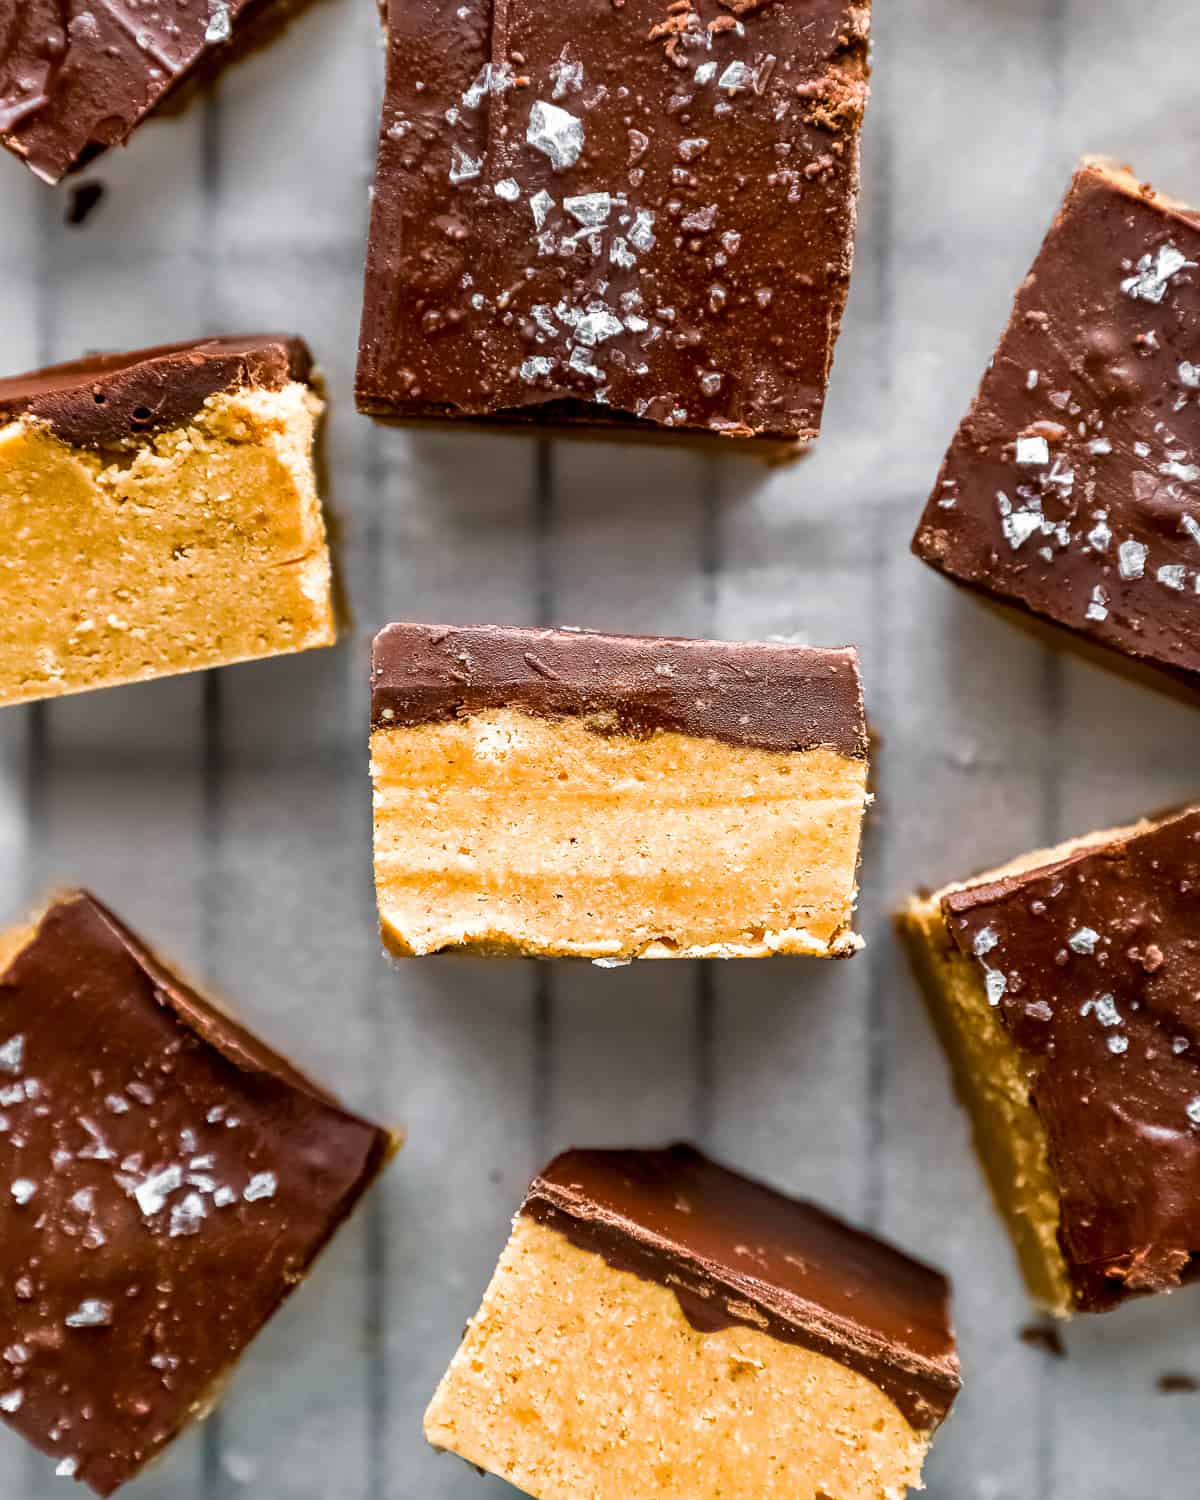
{"points": [[1066, 988], [642, 1287], [1072, 490], [161, 515], [79, 76], [633, 218], [564, 792], [168, 1181]]}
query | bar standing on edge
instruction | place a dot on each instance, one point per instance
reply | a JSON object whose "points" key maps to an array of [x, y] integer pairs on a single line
{"points": [[571, 794]]}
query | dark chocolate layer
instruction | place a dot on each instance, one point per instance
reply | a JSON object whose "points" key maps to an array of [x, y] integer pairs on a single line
{"points": [[78, 76], [1094, 964], [105, 400], [775, 696], [631, 213], [1072, 489], [167, 1180], [736, 1253]]}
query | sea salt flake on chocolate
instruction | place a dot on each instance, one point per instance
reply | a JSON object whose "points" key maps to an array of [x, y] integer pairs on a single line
{"points": [[1173, 469], [736, 77], [1189, 375], [539, 206], [581, 362], [566, 74], [1154, 274], [1039, 1011], [220, 23], [1098, 604], [1104, 1009], [464, 168], [1131, 559], [1173, 576], [555, 133], [508, 189], [1118, 1044], [152, 1194], [536, 367], [12, 1055], [22, 1191], [597, 325], [1032, 451], [985, 941], [592, 210], [997, 985], [187, 1216], [621, 255], [261, 1185], [1100, 447], [1100, 536], [1193, 1110], [705, 73], [1084, 940], [67, 1469], [12, 1401], [91, 1313]]}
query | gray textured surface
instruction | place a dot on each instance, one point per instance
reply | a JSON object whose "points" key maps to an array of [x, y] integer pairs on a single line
{"points": [[228, 816]]}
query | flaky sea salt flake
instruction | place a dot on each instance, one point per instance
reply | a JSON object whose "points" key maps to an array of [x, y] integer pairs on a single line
{"points": [[1154, 274], [261, 1185], [91, 1313], [555, 133], [12, 1055]]}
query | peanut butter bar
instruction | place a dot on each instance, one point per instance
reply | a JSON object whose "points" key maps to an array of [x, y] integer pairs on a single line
{"points": [[1072, 490], [167, 1182], [1066, 988], [160, 514], [659, 1326], [79, 76], [629, 219], [566, 793]]}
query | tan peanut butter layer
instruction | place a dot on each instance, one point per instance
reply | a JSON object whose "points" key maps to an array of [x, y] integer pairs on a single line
{"points": [[642, 1288], [163, 516]]}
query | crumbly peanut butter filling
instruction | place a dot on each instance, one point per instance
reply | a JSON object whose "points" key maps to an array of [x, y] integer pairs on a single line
{"points": [[578, 1380], [203, 546], [506, 831]]}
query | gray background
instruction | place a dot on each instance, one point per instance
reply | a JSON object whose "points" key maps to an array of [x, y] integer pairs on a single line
{"points": [[228, 815]]}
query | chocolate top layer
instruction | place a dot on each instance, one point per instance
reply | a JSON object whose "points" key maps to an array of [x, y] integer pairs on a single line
{"points": [[77, 76], [105, 400], [638, 213], [1094, 966], [166, 1182], [737, 1253], [774, 696], [1073, 487]]}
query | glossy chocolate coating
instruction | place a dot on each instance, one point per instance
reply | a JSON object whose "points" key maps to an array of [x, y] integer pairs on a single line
{"points": [[1072, 489], [598, 213], [1096, 965], [735, 1252], [167, 1181], [78, 76], [759, 693], [106, 400]]}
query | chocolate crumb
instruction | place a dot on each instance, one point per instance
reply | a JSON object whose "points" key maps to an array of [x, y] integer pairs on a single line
{"points": [[1046, 1337], [83, 201], [1175, 1383]]}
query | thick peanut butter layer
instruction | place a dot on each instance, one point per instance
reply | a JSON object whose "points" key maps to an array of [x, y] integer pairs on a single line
{"points": [[198, 546], [576, 1378], [507, 831]]}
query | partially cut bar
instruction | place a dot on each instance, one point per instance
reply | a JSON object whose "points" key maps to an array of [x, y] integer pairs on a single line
{"points": [[79, 76], [160, 515], [1072, 490], [566, 793], [1066, 988], [168, 1182], [629, 219], [664, 1328]]}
